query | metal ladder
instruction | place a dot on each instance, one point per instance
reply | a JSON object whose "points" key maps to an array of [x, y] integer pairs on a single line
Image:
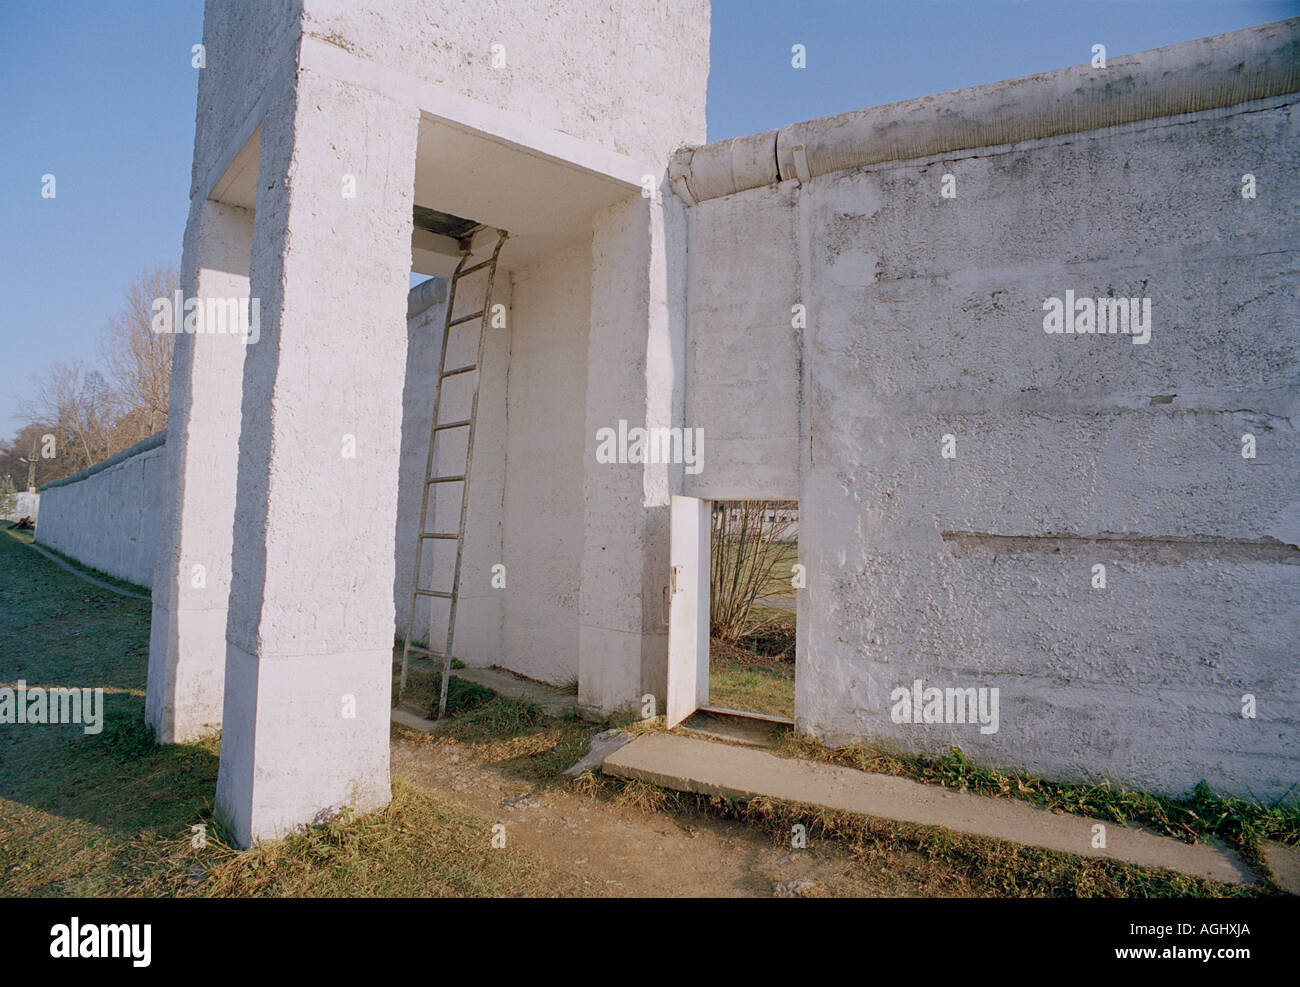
{"points": [[450, 321]]}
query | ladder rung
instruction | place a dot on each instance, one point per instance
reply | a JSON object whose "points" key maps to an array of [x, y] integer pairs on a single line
{"points": [[467, 318], [444, 479], [460, 370], [443, 428], [477, 267], [440, 534], [433, 592]]}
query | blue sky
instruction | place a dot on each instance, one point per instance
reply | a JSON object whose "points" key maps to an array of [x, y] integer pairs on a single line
{"points": [[101, 95]]}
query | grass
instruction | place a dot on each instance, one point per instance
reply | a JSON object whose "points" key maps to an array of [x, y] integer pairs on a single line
{"points": [[424, 683], [418, 845], [23, 535], [757, 674], [113, 813], [28, 538], [763, 686]]}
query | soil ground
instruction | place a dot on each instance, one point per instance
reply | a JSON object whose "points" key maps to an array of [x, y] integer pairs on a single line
{"points": [[606, 848]]}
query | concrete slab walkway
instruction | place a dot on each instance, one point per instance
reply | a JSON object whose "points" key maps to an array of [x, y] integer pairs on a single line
{"points": [[554, 701], [692, 765]]}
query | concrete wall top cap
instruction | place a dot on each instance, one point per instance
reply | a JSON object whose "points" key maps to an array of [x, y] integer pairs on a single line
{"points": [[425, 295], [1221, 70], [729, 166]]}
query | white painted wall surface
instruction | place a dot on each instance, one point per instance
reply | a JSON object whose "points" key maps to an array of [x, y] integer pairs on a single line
{"points": [[594, 70], [543, 532], [26, 504], [248, 43], [925, 319], [479, 624], [109, 519], [743, 356]]}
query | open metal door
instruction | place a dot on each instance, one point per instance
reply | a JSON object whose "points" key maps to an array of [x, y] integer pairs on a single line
{"points": [[688, 608]]}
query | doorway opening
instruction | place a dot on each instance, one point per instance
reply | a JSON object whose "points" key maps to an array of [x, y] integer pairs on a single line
{"points": [[732, 614], [753, 583]]}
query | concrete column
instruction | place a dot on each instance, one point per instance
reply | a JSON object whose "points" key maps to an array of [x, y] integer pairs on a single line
{"points": [[634, 373], [191, 583], [310, 629]]}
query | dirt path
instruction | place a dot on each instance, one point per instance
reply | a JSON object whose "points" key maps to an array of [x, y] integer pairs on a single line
{"points": [[618, 851]]}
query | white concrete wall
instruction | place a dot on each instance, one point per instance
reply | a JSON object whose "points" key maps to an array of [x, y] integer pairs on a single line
{"points": [[925, 318], [310, 625], [593, 70], [526, 505], [248, 44], [480, 621], [543, 532], [742, 364], [635, 373], [297, 101], [428, 303], [26, 504], [106, 517], [187, 636]]}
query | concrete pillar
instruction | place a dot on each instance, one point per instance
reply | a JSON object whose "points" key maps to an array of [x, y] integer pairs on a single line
{"points": [[191, 583], [310, 629], [634, 373]]}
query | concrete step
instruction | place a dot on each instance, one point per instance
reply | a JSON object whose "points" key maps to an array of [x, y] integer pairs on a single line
{"points": [[737, 727], [705, 767], [554, 701], [406, 716]]}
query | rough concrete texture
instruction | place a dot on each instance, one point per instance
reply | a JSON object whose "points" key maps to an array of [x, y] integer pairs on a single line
{"points": [[107, 517], [542, 536], [249, 45], [1284, 863], [594, 70], [426, 310], [924, 320], [743, 291], [191, 574], [1057, 435], [634, 374], [311, 598], [691, 765]]}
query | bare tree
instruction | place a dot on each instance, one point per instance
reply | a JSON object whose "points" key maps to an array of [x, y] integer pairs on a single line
{"points": [[93, 414], [749, 540], [80, 409], [138, 360]]}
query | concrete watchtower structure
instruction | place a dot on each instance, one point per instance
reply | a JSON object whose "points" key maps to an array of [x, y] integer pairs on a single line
{"points": [[321, 129]]}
